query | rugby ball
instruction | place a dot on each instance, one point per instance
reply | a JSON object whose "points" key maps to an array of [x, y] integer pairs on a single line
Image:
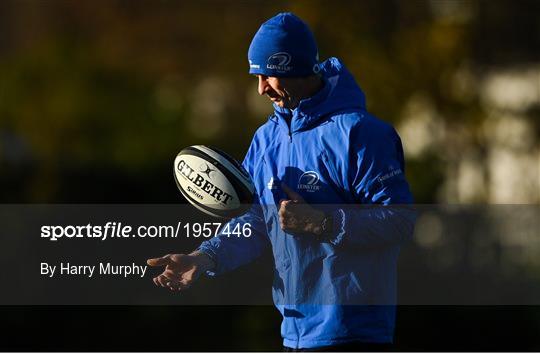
{"points": [[213, 182]]}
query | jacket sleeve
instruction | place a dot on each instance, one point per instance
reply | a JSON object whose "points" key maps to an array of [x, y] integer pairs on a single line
{"points": [[229, 250], [383, 214]]}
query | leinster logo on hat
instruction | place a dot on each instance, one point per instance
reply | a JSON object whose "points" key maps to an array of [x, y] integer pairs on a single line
{"points": [[279, 61]]}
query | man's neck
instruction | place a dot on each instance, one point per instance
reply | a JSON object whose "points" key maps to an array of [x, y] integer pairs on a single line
{"points": [[313, 84]]}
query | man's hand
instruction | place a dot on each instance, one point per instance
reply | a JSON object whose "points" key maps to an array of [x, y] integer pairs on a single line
{"points": [[296, 216], [181, 270]]}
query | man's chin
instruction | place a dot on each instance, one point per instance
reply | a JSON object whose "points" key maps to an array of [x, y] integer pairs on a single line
{"points": [[278, 103], [281, 103]]}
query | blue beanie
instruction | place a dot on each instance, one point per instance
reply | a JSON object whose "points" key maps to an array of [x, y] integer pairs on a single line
{"points": [[283, 47]]}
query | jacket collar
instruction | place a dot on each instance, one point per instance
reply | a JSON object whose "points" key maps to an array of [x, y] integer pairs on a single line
{"points": [[307, 113], [340, 93]]}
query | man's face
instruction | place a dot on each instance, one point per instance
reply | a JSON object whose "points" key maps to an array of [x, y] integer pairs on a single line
{"points": [[285, 92]]}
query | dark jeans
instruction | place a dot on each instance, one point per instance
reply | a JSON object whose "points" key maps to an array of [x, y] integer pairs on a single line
{"points": [[347, 347]]}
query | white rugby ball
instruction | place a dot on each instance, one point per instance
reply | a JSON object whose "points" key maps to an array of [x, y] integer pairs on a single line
{"points": [[213, 182]]}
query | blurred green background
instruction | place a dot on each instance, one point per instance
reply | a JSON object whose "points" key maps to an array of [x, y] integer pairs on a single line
{"points": [[97, 97]]}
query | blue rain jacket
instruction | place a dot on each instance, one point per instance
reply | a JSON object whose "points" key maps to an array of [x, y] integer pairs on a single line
{"points": [[339, 158]]}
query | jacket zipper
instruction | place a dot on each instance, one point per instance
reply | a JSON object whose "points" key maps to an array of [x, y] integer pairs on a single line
{"points": [[290, 135], [289, 148], [289, 183]]}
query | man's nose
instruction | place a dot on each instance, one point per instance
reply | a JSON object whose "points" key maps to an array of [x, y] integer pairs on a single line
{"points": [[263, 84]]}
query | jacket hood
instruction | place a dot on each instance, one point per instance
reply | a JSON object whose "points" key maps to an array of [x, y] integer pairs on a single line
{"points": [[340, 93]]}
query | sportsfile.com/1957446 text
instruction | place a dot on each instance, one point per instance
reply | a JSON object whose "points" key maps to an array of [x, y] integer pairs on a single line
{"points": [[119, 230]]}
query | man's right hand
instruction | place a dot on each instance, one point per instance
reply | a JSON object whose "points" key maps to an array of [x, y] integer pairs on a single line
{"points": [[181, 270]]}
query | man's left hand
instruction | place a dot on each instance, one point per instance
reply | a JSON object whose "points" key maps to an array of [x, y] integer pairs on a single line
{"points": [[296, 216]]}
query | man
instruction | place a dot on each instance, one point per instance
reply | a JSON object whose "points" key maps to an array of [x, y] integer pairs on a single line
{"points": [[319, 157]]}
